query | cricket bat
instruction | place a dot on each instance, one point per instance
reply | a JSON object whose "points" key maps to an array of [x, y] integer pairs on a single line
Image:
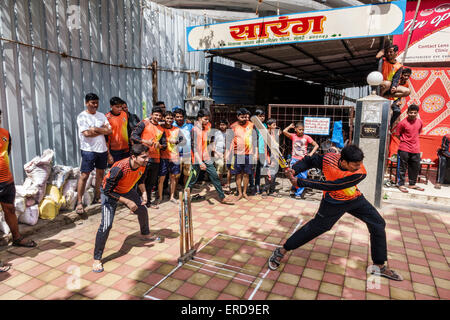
{"points": [[270, 141]]}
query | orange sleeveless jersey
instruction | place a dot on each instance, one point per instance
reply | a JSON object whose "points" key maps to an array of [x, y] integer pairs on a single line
{"points": [[171, 152], [242, 141], [153, 133], [118, 140], [129, 179], [200, 140], [332, 172], [5, 173]]}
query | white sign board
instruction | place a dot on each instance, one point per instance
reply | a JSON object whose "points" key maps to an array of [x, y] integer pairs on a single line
{"points": [[318, 126], [341, 23]]}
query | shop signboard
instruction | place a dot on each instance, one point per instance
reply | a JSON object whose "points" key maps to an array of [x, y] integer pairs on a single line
{"points": [[373, 20]]}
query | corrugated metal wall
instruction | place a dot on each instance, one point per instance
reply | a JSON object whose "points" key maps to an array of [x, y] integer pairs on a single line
{"points": [[42, 92], [232, 85]]}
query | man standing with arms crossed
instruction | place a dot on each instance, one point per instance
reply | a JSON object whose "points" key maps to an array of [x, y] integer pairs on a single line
{"points": [[92, 129], [342, 173], [148, 132]]}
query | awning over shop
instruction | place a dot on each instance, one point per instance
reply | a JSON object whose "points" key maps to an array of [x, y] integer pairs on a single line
{"points": [[337, 63], [335, 48]]}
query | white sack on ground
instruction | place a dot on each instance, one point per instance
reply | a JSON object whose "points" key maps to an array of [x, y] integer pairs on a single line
{"points": [[59, 175], [38, 169], [30, 216], [3, 225], [70, 185], [19, 204]]}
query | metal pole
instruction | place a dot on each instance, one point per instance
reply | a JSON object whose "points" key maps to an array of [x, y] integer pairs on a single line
{"points": [[411, 32]]}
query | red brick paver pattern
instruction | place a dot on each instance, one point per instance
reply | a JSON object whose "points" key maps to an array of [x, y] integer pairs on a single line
{"points": [[234, 243]]}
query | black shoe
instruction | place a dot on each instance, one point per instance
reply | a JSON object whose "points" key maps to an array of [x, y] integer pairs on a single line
{"points": [[275, 259]]}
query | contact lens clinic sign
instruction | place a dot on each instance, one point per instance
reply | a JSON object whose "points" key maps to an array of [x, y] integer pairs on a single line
{"points": [[342, 23]]}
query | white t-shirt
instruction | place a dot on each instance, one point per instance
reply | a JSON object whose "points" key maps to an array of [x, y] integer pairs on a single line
{"points": [[85, 120], [220, 142]]}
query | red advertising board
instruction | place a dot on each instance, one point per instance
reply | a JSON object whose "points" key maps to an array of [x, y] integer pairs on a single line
{"points": [[430, 32], [430, 90]]}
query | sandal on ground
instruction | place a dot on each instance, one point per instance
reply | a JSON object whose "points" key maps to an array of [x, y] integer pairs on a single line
{"points": [[97, 268], [437, 186], [416, 188], [226, 200], [275, 259], [4, 268], [80, 209], [275, 194], [174, 201], [155, 204], [387, 273], [403, 189], [151, 238], [28, 244]]}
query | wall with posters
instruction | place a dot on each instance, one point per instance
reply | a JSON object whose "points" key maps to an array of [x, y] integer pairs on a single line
{"points": [[430, 33], [430, 90]]}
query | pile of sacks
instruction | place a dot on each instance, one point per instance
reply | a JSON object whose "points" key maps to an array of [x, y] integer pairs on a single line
{"points": [[46, 190]]}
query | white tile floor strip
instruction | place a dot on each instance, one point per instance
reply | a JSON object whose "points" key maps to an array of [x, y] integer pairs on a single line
{"points": [[298, 225], [268, 270], [258, 285], [168, 275], [219, 273], [224, 264], [203, 266], [269, 244]]}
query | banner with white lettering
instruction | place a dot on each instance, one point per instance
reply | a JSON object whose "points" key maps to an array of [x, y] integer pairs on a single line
{"points": [[319, 126], [340, 23], [430, 33]]}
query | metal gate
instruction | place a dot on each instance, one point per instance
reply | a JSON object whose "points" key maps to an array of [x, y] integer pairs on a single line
{"points": [[285, 114]]}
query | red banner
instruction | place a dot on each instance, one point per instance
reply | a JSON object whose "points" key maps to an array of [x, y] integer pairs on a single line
{"points": [[430, 90], [429, 41]]}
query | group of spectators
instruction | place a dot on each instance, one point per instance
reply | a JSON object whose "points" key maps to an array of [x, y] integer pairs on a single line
{"points": [[178, 146]]}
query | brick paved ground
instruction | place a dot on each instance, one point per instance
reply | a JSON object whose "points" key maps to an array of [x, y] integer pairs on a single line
{"points": [[234, 243]]}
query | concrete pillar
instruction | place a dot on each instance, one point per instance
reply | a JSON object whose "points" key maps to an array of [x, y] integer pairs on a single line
{"points": [[371, 132]]}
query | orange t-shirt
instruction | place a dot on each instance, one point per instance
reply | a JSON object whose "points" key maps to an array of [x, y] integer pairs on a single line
{"points": [[243, 138], [332, 172], [154, 133], [123, 176], [5, 172], [171, 152], [389, 69], [118, 140]]}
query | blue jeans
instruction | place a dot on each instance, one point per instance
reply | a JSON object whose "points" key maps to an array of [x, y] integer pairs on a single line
{"points": [[301, 175]]}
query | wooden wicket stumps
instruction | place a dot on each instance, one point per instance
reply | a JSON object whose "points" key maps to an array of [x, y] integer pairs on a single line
{"points": [[187, 250]]}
